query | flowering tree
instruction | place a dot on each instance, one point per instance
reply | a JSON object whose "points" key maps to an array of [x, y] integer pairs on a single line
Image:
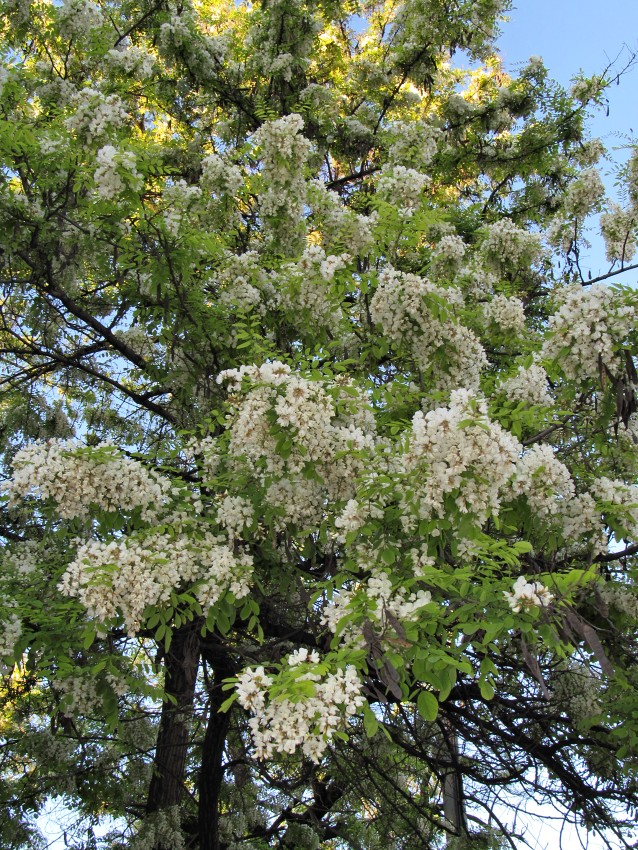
{"points": [[319, 519]]}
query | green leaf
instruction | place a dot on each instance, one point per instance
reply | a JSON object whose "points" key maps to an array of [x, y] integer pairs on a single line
{"points": [[487, 691], [370, 721], [389, 555], [223, 708], [428, 706]]}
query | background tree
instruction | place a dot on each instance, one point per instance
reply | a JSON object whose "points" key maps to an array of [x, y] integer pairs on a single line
{"points": [[320, 524]]}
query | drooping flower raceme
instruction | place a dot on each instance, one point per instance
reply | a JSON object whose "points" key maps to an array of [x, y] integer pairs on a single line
{"points": [[529, 384], [306, 285], [458, 450], [588, 329], [289, 435], [402, 186], [385, 606], [624, 501], [76, 479], [508, 314], [618, 227], [507, 247], [283, 725], [220, 176], [95, 114], [115, 171], [283, 153], [584, 193], [124, 576], [412, 310], [527, 594], [543, 479]]}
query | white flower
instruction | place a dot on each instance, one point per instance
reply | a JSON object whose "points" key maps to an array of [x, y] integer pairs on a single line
{"points": [[413, 310], [308, 724], [75, 479], [507, 313], [591, 323], [527, 594], [529, 384]]}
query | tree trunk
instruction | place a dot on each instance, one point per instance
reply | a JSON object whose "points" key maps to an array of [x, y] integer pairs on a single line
{"points": [[171, 752], [211, 773], [453, 807]]}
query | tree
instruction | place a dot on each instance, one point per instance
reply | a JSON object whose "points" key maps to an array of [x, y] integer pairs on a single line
{"points": [[320, 521]]}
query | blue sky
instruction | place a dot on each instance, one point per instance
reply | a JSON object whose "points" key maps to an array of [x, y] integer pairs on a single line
{"points": [[587, 35]]}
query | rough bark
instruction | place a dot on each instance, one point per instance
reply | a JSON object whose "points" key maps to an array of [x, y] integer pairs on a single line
{"points": [[169, 767], [211, 773]]}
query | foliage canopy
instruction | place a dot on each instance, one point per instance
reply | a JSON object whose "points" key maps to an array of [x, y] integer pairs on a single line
{"points": [[319, 521]]}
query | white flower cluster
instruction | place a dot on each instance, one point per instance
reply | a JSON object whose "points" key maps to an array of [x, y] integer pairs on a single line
{"points": [[356, 130], [160, 829], [126, 575], [203, 53], [581, 525], [220, 177], [527, 594], [459, 108], [543, 479], [591, 323], [283, 155], [618, 228], [95, 113], [448, 255], [283, 65], [314, 260], [77, 479], [10, 632], [132, 59], [507, 247], [116, 169], [457, 450], [584, 194], [178, 198], [243, 283], [562, 233], [235, 513], [414, 143], [587, 88], [620, 596], [475, 282], [4, 77], [137, 338], [383, 606], [305, 285], [508, 314], [303, 406], [80, 695], [79, 17], [529, 384], [23, 558], [353, 516], [283, 725], [402, 186], [622, 496], [283, 409], [577, 687], [206, 451], [412, 310]]}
